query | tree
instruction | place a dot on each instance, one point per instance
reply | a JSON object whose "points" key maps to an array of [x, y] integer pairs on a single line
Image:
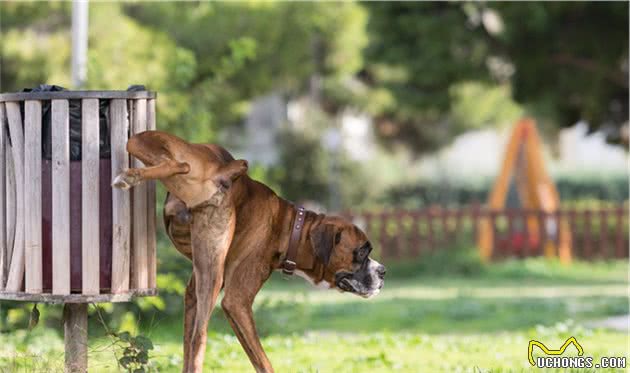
{"points": [[271, 44], [35, 49], [570, 60], [565, 61]]}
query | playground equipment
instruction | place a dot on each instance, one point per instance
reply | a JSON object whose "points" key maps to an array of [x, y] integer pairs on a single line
{"points": [[65, 235], [536, 191]]}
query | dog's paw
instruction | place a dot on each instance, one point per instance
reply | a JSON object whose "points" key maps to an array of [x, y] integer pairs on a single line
{"points": [[124, 181]]}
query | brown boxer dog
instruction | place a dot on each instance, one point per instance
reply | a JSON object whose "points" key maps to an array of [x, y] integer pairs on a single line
{"points": [[237, 231]]}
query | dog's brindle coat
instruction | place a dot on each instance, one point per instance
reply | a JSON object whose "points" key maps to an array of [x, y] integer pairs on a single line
{"points": [[236, 232]]}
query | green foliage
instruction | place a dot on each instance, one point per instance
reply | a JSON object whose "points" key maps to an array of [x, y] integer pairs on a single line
{"points": [[410, 64], [431, 192], [418, 53], [236, 46], [459, 260], [304, 173], [569, 74], [423, 81], [476, 105], [574, 190], [610, 188], [464, 262], [135, 351], [308, 172]]}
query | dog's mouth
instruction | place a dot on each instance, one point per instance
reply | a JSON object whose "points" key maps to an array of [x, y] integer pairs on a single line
{"points": [[346, 282]]}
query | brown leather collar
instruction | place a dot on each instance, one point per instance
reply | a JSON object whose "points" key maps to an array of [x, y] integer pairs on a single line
{"points": [[289, 264]]}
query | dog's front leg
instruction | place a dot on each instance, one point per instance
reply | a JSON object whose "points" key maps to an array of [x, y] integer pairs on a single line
{"points": [[239, 292], [211, 235], [190, 310]]}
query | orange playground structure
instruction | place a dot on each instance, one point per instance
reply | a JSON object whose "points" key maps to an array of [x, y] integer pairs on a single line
{"points": [[523, 163]]}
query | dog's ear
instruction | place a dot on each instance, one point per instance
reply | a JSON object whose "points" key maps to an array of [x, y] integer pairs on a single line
{"points": [[226, 175], [323, 239]]}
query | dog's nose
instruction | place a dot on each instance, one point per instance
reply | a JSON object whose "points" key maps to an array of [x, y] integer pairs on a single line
{"points": [[380, 270]]}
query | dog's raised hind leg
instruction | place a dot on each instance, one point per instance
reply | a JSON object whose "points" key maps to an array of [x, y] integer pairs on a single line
{"points": [[134, 176], [211, 235]]}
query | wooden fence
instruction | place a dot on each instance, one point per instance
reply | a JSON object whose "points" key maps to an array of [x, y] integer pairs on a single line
{"points": [[600, 233]]}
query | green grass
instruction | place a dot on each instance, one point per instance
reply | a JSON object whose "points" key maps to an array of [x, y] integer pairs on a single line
{"points": [[481, 320]]}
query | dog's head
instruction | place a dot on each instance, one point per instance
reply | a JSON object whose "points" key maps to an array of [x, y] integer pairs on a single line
{"points": [[344, 250]]}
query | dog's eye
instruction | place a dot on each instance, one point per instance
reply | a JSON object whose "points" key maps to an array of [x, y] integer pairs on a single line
{"points": [[337, 238]]}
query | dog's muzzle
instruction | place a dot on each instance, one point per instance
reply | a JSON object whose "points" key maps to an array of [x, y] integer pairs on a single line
{"points": [[366, 282]]}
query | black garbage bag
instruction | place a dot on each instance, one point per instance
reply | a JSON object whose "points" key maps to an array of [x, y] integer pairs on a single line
{"points": [[75, 123]]}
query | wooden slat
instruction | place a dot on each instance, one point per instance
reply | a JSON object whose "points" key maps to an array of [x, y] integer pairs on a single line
{"points": [[476, 223], [621, 250], [119, 127], [151, 217], [60, 197], [603, 234], [558, 219], [444, 234], [140, 278], [33, 191], [10, 202], [542, 231], [16, 270], [494, 215], [575, 246], [407, 221], [524, 219], [396, 221], [430, 232], [4, 259], [511, 248], [90, 245], [588, 253], [458, 223], [415, 234], [382, 235], [132, 252]]}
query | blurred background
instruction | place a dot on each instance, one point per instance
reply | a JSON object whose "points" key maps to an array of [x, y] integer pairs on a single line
{"points": [[398, 116]]}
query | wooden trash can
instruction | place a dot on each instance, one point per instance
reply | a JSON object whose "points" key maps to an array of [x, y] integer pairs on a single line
{"points": [[67, 236]]}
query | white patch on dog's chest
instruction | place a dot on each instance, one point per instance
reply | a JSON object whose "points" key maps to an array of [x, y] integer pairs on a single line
{"points": [[320, 285]]}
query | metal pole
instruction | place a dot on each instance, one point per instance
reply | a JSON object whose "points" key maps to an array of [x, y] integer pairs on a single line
{"points": [[75, 315], [79, 42]]}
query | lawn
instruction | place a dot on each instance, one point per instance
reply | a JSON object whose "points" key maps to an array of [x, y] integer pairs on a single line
{"points": [[419, 323]]}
